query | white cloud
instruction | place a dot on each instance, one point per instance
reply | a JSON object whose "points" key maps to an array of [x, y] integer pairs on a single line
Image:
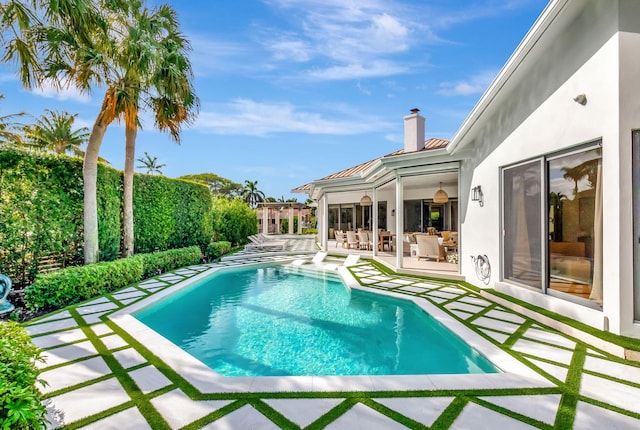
{"points": [[64, 93], [355, 71], [476, 85], [295, 50], [344, 35], [248, 117]]}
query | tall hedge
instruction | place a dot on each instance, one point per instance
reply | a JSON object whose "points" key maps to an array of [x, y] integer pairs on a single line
{"points": [[233, 220], [109, 194], [41, 204], [40, 212], [170, 213]]}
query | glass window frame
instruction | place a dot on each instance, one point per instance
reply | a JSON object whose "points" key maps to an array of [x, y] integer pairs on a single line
{"points": [[544, 181]]}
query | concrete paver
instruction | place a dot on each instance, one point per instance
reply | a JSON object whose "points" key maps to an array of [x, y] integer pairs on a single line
{"points": [[129, 419], [303, 411], [149, 379], [477, 417], [74, 405], [420, 409], [247, 417], [74, 374], [361, 417], [59, 332], [179, 410]]}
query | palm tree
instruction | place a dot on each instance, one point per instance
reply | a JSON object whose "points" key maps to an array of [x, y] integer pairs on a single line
{"points": [[9, 128], [54, 132], [156, 73], [151, 164], [66, 43], [88, 44], [251, 194]]}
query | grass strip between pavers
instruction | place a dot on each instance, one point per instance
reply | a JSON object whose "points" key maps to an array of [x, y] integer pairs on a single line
{"points": [[564, 418]]}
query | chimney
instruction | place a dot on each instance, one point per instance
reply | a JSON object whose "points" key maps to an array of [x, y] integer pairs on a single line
{"points": [[413, 131]]}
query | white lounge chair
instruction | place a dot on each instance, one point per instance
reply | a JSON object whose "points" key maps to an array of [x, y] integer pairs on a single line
{"points": [[317, 259], [351, 260]]}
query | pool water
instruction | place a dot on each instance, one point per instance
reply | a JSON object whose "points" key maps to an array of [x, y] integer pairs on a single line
{"points": [[268, 321]]}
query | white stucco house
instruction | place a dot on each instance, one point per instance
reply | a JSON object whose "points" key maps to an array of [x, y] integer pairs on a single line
{"points": [[543, 177]]}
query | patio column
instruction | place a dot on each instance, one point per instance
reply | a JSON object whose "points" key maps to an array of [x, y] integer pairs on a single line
{"points": [[399, 220], [299, 220], [265, 220], [374, 224], [290, 219], [324, 226], [277, 215]]}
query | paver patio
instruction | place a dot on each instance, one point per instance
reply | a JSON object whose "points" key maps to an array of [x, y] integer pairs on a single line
{"points": [[102, 378]]}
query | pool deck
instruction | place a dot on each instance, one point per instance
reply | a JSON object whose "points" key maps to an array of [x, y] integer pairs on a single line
{"points": [[102, 375]]}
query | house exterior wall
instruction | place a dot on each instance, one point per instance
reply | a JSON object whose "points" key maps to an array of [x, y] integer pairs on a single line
{"points": [[536, 115]]}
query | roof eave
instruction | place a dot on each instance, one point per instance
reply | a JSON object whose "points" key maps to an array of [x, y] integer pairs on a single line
{"points": [[546, 18]]}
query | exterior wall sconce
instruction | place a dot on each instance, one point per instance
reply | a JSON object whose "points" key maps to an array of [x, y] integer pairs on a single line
{"points": [[393, 212], [477, 195]]}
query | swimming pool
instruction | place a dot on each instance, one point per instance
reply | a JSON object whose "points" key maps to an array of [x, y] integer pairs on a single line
{"points": [[266, 321]]}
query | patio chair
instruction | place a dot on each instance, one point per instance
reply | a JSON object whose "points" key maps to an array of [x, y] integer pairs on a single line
{"points": [[317, 259], [352, 240], [364, 239], [340, 238], [446, 235], [429, 247]]}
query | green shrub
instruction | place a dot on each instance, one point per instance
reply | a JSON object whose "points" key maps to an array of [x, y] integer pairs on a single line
{"points": [[109, 195], [162, 261], [309, 231], [20, 402], [170, 213], [233, 220], [218, 249], [65, 287]]}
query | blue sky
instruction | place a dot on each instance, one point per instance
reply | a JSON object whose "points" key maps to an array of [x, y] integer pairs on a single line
{"points": [[293, 90]]}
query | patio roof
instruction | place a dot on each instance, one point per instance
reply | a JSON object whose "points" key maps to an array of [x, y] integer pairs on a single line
{"points": [[429, 144]]}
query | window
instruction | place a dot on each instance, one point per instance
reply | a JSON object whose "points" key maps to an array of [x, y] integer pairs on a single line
{"points": [[562, 255], [522, 218], [575, 224]]}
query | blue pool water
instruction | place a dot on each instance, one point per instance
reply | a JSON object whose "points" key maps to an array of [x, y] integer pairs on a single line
{"points": [[270, 322]]}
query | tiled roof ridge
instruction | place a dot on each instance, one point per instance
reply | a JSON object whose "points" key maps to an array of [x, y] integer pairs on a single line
{"points": [[429, 144]]}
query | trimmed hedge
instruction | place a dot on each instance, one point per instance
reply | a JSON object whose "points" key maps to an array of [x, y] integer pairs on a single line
{"points": [[20, 401], [159, 262], [41, 205], [218, 249], [65, 287], [170, 213]]}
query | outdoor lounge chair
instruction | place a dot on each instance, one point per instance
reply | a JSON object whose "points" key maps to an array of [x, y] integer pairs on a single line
{"points": [[429, 247], [317, 259], [351, 260]]}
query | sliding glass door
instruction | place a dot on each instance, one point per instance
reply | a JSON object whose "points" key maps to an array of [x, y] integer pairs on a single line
{"points": [[522, 218], [561, 255]]}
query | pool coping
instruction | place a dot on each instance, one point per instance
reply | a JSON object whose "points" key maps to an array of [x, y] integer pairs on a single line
{"points": [[514, 373]]}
